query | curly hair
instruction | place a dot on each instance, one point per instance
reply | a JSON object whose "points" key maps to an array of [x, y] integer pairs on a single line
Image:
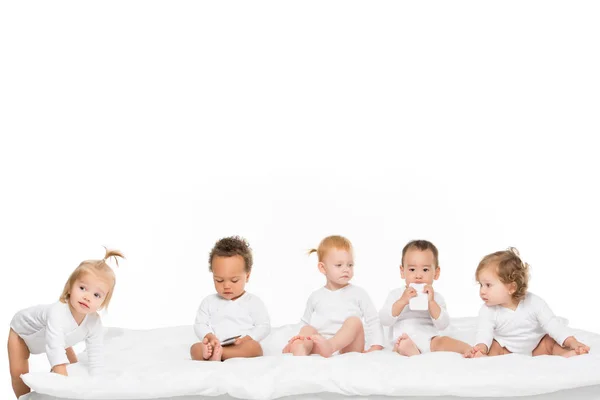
{"points": [[229, 247], [509, 268], [422, 245]]}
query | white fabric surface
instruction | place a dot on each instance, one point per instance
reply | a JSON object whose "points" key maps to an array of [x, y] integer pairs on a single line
{"points": [[156, 363]]}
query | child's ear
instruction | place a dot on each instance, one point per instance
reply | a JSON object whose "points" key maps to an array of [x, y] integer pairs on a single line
{"points": [[247, 276], [402, 271], [513, 288], [321, 267], [437, 273]]}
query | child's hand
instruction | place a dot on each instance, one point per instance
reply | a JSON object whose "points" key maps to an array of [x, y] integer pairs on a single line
{"points": [[429, 290], [375, 347], [574, 344], [241, 340], [408, 294], [60, 369]]}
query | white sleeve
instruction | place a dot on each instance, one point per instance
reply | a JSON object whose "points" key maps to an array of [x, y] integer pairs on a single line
{"points": [[385, 314], [549, 322], [308, 311], [373, 329], [485, 326], [260, 317], [94, 345], [202, 325], [443, 320], [55, 337]]}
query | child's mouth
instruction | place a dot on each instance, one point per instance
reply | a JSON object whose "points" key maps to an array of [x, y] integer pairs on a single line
{"points": [[84, 305]]}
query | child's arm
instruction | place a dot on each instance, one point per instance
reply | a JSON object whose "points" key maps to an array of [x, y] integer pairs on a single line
{"points": [[394, 304], [437, 309], [55, 339], [373, 329], [308, 310], [260, 316], [94, 347], [485, 329], [202, 326]]}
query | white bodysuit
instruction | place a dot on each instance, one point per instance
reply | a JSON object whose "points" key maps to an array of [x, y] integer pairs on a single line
{"points": [[326, 311], [521, 330], [51, 328], [246, 316], [419, 325]]}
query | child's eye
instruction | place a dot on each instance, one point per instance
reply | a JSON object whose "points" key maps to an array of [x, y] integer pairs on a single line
{"points": [[82, 287], [217, 280], [411, 269], [338, 265], [350, 265], [98, 295], [425, 269], [488, 285], [235, 280]]}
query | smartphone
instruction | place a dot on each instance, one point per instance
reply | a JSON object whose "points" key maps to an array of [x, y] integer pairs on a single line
{"points": [[230, 341]]}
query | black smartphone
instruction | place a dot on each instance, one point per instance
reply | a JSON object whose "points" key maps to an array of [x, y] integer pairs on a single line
{"points": [[230, 341]]}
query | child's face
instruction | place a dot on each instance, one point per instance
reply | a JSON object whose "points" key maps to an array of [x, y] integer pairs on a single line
{"points": [[338, 267], [419, 267], [230, 276], [492, 291], [87, 294]]}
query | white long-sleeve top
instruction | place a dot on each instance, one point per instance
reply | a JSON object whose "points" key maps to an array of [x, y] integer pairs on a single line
{"points": [[51, 328], [520, 330], [246, 316], [413, 322], [326, 310]]}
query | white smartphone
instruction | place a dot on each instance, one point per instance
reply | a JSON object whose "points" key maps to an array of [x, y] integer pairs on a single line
{"points": [[230, 341]]}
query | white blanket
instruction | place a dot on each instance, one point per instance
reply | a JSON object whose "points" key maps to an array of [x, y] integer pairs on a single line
{"points": [[156, 363]]}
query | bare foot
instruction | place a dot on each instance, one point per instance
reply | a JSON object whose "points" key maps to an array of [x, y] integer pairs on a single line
{"points": [[288, 346], [581, 350], [206, 349], [570, 353], [322, 346], [217, 354], [474, 353], [406, 347]]}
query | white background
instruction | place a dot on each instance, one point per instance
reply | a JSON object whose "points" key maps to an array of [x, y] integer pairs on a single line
{"points": [[160, 128]]}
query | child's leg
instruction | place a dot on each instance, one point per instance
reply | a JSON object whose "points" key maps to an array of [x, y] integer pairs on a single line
{"points": [[406, 347], [249, 348], [201, 350], [301, 344], [497, 350], [71, 355], [446, 343], [358, 344], [18, 360], [350, 337], [548, 347]]}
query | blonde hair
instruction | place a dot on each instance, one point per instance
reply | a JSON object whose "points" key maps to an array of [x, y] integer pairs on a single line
{"points": [[98, 268], [331, 242], [509, 268]]}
